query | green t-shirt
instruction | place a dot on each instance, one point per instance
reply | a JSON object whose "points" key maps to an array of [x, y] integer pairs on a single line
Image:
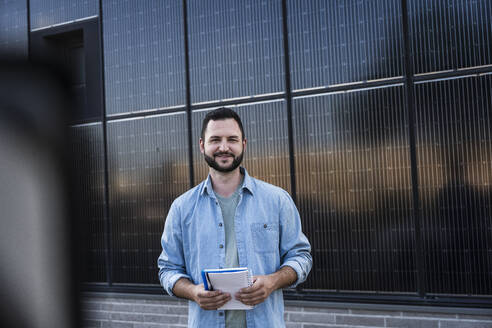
{"points": [[228, 205]]}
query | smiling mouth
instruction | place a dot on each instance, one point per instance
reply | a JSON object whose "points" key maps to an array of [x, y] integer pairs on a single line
{"points": [[224, 155], [220, 161]]}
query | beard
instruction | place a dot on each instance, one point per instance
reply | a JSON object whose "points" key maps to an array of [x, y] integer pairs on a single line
{"points": [[213, 163]]}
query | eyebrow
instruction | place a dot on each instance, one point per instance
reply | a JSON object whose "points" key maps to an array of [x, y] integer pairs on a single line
{"points": [[228, 137]]}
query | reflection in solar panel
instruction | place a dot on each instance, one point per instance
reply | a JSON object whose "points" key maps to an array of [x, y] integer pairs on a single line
{"points": [[148, 169], [45, 13], [354, 189]]}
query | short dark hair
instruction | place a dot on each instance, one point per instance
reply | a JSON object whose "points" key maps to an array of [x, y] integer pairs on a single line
{"points": [[221, 114]]}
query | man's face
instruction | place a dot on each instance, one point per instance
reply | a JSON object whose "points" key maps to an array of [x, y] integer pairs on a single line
{"points": [[223, 146]]}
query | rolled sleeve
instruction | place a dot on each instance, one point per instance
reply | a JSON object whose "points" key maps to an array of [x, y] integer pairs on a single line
{"points": [[171, 262], [169, 281], [295, 250], [301, 274]]}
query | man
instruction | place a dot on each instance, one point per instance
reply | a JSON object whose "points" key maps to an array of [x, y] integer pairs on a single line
{"points": [[232, 220]]}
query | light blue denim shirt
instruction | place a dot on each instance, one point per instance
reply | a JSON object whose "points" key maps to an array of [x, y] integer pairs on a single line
{"points": [[268, 234]]}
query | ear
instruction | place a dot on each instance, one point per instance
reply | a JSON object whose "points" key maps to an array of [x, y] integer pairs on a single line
{"points": [[244, 144], [202, 147]]}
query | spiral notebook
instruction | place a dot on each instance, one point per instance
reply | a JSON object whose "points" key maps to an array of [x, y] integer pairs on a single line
{"points": [[230, 281]]}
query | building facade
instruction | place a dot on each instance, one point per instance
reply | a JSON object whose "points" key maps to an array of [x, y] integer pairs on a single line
{"points": [[376, 116]]}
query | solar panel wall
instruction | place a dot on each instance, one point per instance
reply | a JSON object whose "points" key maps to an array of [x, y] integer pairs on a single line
{"points": [[87, 170], [354, 189], [330, 115]]}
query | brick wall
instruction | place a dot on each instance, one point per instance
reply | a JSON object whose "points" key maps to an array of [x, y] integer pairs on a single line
{"points": [[146, 311]]}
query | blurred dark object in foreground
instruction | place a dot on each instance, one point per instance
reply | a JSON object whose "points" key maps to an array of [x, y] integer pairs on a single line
{"points": [[37, 239]]}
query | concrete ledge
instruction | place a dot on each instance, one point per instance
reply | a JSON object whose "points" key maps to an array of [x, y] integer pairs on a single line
{"points": [[390, 307], [313, 304]]}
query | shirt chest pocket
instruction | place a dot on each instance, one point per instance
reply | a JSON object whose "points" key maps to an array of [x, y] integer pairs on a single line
{"points": [[265, 237]]}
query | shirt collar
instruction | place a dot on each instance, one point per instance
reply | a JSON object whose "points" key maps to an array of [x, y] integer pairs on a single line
{"points": [[248, 183]]}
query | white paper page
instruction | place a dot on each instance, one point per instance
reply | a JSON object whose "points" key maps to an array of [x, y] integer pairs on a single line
{"points": [[231, 282]]}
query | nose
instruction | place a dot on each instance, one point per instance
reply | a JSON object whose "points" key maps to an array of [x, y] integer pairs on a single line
{"points": [[224, 146]]}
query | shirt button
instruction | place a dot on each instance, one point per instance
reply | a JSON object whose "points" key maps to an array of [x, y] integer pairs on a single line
{"points": [[220, 224], [264, 226], [221, 246], [221, 313]]}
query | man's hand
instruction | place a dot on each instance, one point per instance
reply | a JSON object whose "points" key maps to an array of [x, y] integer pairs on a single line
{"points": [[209, 300], [262, 287]]}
